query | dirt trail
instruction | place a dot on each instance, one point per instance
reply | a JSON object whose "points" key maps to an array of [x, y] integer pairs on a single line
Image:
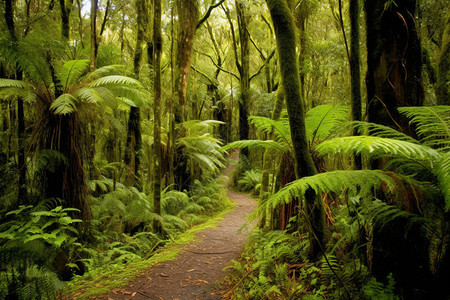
{"points": [[199, 267]]}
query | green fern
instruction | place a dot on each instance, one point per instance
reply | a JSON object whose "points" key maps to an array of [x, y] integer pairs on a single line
{"points": [[433, 125], [442, 172], [323, 120]]}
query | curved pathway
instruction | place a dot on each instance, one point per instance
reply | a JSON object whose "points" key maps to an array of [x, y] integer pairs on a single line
{"points": [[198, 269]]}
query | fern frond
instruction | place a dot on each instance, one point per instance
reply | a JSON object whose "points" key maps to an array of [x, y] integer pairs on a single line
{"points": [[373, 129], [280, 128], [442, 172], [105, 71], [89, 95], [322, 120], [433, 125], [376, 147], [356, 182], [12, 83], [112, 80], [255, 144], [65, 104], [71, 71]]}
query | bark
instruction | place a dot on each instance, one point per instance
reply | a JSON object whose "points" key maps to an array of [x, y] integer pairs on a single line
{"points": [[355, 72], [285, 35], [157, 42], [443, 82], [394, 66], [94, 38], [66, 9], [187, 17], [22, 168], [244, 71]]}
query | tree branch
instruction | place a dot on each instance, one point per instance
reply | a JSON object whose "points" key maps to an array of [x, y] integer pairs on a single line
{"points": [[105, 18], [208, 13]]}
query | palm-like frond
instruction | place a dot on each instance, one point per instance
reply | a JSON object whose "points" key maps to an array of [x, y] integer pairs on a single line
{"points": [[269, 144], [373, 129], [71, 71], [92, 95], [442, 172], [65, 104], [12, 83], [355, 182], [110, 81], [376, 147], [322, 120], [105, 71], [280, 128], [433, 125]]}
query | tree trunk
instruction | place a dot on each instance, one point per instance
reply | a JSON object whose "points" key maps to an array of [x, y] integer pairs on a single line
{"points": [[187, 20], [355, 73], [94, 41], [157, 42], [66, 9], [285, 35], [244, 71], [394, 66], [443, 85]]}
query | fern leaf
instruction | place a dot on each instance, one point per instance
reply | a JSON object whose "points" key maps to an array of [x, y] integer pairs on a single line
{"points": [[373, 129], [12, 83], [376, 147], [280, 128], [433, 124], [255, 144], [322, 120], [442, 172], [65, 104], [89, 95], [357, 182], [71, 71], [117, 80]]}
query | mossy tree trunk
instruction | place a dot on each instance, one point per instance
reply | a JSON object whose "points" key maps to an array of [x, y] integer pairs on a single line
{"points": [[394, 66], [244, 71], [157, 52], [443, 82], [66, 9], [94, 41], [285, 35], [133, 150], [22, 167], [355, 71]]}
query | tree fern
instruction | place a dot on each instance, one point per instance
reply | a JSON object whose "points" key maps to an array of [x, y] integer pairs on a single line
{"points": [[354, 182], [116, 80], [323, 120], [378, 130], [72, 71], [442, 172], [65, 104], [432, 125], [376, 147]]}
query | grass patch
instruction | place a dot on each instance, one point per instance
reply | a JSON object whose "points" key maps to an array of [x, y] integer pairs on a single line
{"points": [[101, 281]]}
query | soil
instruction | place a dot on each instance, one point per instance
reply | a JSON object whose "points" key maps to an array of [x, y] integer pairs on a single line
{"points": [[199, 269]]}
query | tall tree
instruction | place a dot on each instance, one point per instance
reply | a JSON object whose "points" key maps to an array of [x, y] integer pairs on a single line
{"points": [[157, 51], [443, 81], [187, 20], [66, 10], [21, 197], [94, 38], [243, 18], [283, 23], [394, 66]]}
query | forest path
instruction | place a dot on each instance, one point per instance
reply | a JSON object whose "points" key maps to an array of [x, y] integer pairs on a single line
{"points": [[198, 269]]}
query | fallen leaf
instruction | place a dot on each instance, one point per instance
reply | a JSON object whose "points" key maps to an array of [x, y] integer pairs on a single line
{"points": [[134, 294], [163, 275], [191, 270]]}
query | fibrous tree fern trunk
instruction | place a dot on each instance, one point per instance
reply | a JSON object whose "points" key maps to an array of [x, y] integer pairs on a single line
{"points": [[394, 66], [285, 35]]}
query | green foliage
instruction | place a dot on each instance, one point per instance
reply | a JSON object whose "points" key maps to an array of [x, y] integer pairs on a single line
{"points": [[378, 291], [30, 238], [323, 120], [432, 123], [250, 181]]}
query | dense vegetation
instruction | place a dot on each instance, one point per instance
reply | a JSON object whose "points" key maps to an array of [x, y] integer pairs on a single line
{"points": [[116, 117]]}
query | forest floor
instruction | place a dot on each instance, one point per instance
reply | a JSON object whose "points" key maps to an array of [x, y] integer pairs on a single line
{"points": [[197, 272]]}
